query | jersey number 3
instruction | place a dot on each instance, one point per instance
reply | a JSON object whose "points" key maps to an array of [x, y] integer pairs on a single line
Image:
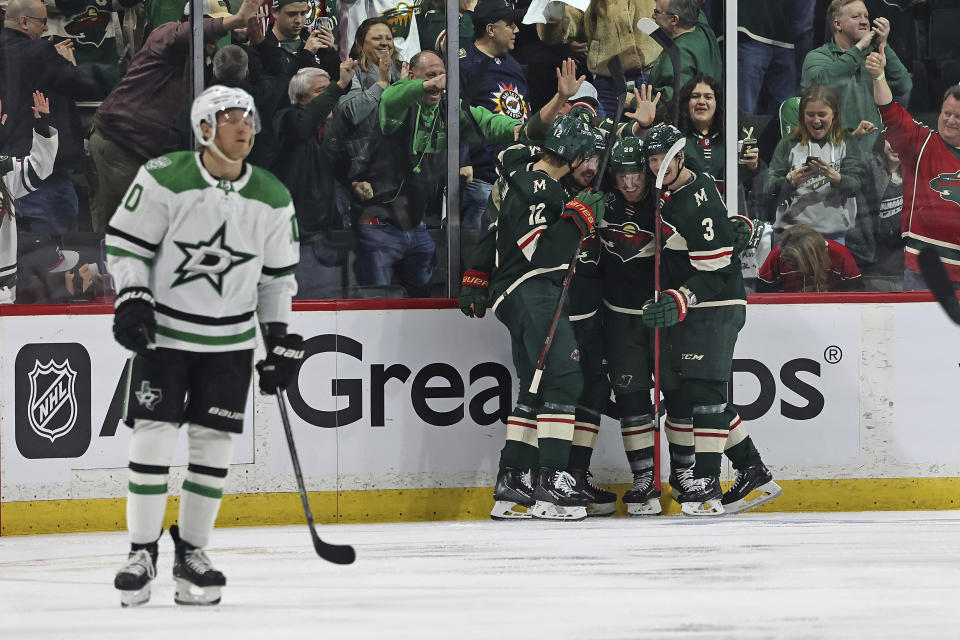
{"points": [[536, 214], [707, 228]]}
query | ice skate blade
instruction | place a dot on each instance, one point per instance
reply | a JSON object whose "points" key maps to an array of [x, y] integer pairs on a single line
{"points": [[601, 509], [708, 508], [505, 510], [549, 511], [649, 508], [135, 597], [761, 495], [190, 594]]}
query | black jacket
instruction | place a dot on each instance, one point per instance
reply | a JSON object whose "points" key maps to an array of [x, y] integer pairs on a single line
{"points": [[277, 61], [305, 165], [28, 65]]}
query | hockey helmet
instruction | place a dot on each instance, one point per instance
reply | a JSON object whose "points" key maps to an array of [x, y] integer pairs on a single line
{"points": [[585, 112], [569, 138], [599, 141], [627, 156], [660, 139], [216, 99]]}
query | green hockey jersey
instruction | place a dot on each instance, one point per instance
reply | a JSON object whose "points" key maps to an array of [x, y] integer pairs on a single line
{"points": [[213, 251], [627, 261], [532, 237], [698, 240]]}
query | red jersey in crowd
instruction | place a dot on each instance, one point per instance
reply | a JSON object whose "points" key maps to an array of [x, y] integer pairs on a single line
{"points": [[843, 270], [931, 189]]}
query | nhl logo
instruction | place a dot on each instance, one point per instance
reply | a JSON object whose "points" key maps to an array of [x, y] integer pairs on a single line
{"points": [[52, 407]]}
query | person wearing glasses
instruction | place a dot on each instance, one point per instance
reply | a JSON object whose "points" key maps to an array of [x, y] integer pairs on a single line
{"points": [[683, 21], [31, 63]]}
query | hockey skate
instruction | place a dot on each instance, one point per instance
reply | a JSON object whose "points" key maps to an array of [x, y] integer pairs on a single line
{"points": [[197, 582], [642, 499], [556, 497], [133, 580], [513, 495], [752, 487], [702, 498], [680, 479], [600, 501]]}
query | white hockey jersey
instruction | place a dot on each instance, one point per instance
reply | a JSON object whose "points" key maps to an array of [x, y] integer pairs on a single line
{"points": [[212, 251], [399, 13], [22, 176]]}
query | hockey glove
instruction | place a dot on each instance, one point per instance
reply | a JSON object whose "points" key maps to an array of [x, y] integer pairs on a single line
{"points": [[474, 297], [134, 322], [586, 211], [284, 355], [671, 309], [747, 233]]}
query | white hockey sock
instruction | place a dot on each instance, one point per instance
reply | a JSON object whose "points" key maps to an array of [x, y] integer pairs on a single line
{"points": [[151, 449], [210, 452]]}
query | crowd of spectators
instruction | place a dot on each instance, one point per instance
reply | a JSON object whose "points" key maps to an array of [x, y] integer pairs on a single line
{"points": [[350, 98]]}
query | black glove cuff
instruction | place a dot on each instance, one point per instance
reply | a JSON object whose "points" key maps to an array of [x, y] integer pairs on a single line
{"points": [[133, 295]]}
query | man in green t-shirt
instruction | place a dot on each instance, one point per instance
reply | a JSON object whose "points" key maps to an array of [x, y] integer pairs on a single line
{"points": [[699, 51]]}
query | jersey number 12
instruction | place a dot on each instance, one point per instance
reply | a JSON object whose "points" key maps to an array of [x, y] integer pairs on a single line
{"points": [[536, 214]]}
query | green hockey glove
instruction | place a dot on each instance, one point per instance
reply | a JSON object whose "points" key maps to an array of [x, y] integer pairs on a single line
{"points": [[586, 211], [474, 296], [671, 308], [747, 233]]}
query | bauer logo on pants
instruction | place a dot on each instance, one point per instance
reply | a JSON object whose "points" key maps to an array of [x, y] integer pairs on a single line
{"points": [[52, 400]]}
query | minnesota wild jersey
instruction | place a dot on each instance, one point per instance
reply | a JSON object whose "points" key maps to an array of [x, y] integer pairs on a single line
{"points": [[213, 251], [532, 239], [626, 235], [698, 244]]}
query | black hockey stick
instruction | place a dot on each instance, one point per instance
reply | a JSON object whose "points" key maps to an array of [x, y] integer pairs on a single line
{"points": [[616, 72], [939, 283], [335, 553], [650, 28]]}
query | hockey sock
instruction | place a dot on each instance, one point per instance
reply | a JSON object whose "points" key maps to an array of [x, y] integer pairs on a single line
{"points": [[679, 429], [151, 449], [210, 452], [636, 429], [520, 449], [555, 435], [711, 425], [585, 430], [740, 448]]}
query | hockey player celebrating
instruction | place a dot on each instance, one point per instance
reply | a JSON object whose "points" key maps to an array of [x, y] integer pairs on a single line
{"points": [[538, 229], [201, 242], [701, 311]]}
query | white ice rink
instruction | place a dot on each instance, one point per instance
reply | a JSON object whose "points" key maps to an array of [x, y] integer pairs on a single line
{"points": [[836, 575]]}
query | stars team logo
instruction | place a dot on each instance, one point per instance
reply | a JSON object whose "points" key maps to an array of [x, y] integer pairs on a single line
{"points": [[508, 101], [148, 397], [210, 260], [948, 186]]}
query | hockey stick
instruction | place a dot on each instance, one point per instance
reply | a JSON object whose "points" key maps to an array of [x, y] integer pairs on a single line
{"points": [[657, 238], [335, 553], [616, 72], [939, 283], [649, 27]]}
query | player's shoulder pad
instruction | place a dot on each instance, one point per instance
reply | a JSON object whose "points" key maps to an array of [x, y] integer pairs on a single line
{"points": [[517, 154], [265, 187], [535, 184], [176, 171]]}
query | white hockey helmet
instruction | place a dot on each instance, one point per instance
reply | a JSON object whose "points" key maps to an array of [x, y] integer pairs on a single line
{"points": [[215, 99]]}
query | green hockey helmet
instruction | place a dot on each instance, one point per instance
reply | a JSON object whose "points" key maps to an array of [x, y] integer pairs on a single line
{"points": [[569, 137], [627, 156], [660, 139], [599, 141]]}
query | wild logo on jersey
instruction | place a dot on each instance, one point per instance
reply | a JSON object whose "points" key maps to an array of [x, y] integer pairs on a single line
{"points": [[90, 25], [948, 186], [508, 101], [399, 18], [210, 260], [627, 241]]}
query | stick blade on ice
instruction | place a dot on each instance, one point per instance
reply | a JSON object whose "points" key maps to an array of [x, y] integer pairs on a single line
{"points": [[939, 283]]}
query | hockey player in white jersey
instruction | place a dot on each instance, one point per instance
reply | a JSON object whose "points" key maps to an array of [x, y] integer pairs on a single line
{"points": [[200, 244]]}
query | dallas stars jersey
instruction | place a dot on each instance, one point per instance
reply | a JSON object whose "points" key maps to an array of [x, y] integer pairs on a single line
{"points": [[626, 235], [532, 239], [212, 251], [698, 244]]}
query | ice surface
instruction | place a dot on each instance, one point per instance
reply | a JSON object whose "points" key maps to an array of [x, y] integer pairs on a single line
{"points": [[837, 575]]}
